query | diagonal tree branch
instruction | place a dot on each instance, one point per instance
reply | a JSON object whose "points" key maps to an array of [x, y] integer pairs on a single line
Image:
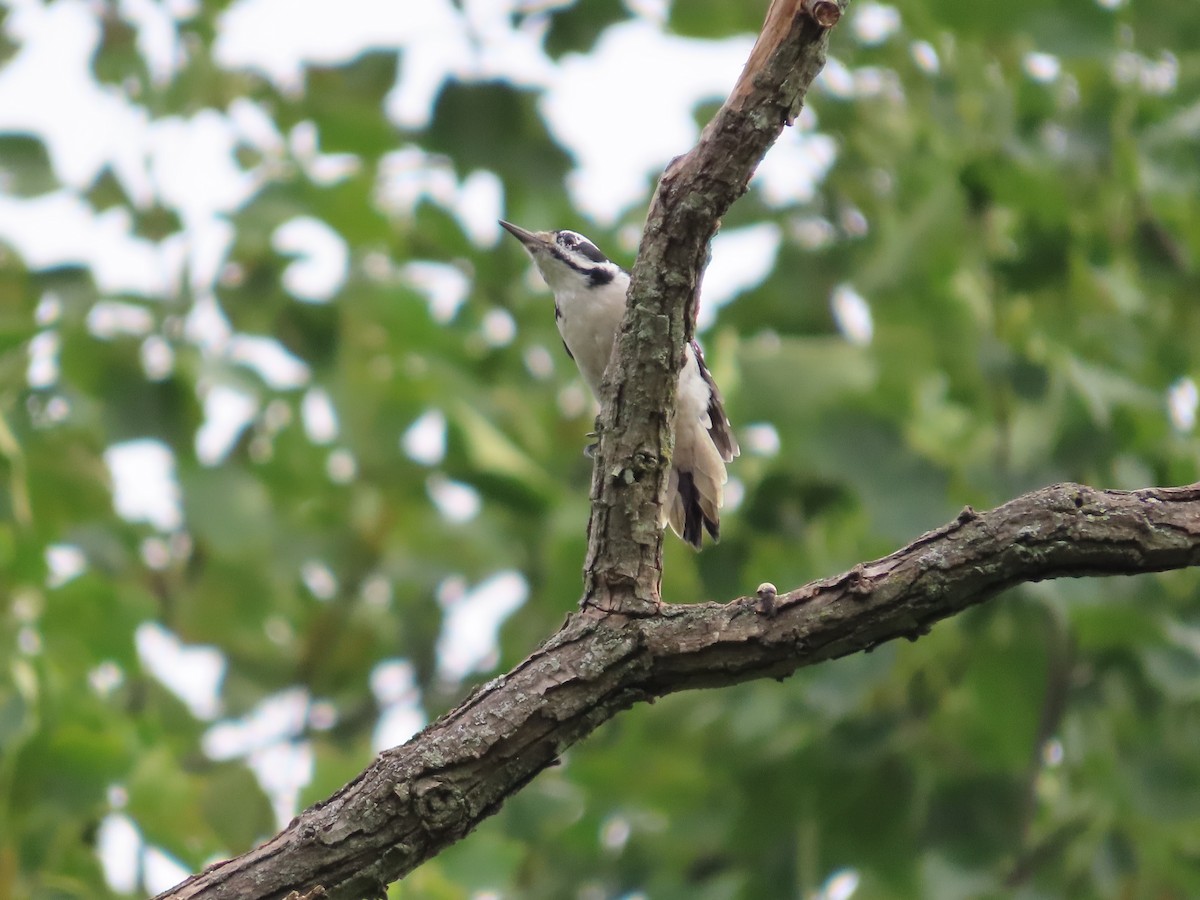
{"points": [[415, 800], [623, 569]]}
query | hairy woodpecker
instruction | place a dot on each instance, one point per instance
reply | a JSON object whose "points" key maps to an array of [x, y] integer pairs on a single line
{"points": [[589, 301]]}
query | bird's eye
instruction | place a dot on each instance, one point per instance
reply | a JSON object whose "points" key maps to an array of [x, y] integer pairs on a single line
{"points": [[568, 239]]}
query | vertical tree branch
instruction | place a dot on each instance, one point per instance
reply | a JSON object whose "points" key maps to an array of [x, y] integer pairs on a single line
{"points": [[623, 570]]}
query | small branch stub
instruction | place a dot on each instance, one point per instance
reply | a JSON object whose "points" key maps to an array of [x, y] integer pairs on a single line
{"points": [[766, 599], [825, 13], [440, 804]]}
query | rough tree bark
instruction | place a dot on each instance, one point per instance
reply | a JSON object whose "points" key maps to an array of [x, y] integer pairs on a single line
{"points": [[623, 647]]}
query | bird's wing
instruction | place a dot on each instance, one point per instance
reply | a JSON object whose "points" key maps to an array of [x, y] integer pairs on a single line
{"points": [[704, 442], [719, 428]]}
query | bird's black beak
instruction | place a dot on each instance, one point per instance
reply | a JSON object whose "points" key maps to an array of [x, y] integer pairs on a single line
{"points": [[530, 239]]}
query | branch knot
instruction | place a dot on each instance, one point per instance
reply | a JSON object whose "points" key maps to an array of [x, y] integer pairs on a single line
{"points": [[440, 804]]}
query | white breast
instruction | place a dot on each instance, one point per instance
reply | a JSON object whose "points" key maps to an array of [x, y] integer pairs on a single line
{"points": [[588, 321]]}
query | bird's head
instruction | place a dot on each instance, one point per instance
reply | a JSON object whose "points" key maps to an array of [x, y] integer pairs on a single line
{"points": [[566, 259]]}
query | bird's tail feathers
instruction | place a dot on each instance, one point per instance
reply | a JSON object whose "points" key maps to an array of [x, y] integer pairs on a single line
{"points": [[695, 490]]}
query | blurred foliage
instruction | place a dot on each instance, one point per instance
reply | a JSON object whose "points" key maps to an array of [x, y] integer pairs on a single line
{"points": [[1026, 233]]}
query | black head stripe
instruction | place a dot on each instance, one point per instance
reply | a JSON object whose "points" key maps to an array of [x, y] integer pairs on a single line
{"points": [[571, 240], [591, 251], [595, 276]]}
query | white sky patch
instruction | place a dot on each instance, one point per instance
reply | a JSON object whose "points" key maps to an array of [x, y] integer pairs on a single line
{"points": [[322, 168], [64, 563], [877, 81], [853, 221], [613, 171], [479, 205], [469, 641], [1157, 77], [29, 641], [319, 579], [425, 440], [161, 870], [61, 228], [479, 43], [437, 45], [539, 362], [742, 258], [268, 739], [394, 684], [118, 845], [109, 319], [615, 833], [761, 439], [48, 89], [158, 359], [874, 23], [48, 310], [341, 466], [145, 488], [1053, 753], [43, 370], [1042, 67], [206, 325], [319, 416], [836, 78], [194, 165], [227, 412], [255, 127], [794, 168], [735, 493], [207, 247], [498, 327], [852, 314], [193, 674], [283, 770], [445, 287], [322, 715], [195, 171], [926, 57], [46, 410], [376, 591], [308, 31], [277, 718], [322, 258], [409, 176], [655, 10], [105, 678], [456, 501], [574, 400], [841, 885], [270, 359], [1182, 400], [158, 38], [436, 40]]}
